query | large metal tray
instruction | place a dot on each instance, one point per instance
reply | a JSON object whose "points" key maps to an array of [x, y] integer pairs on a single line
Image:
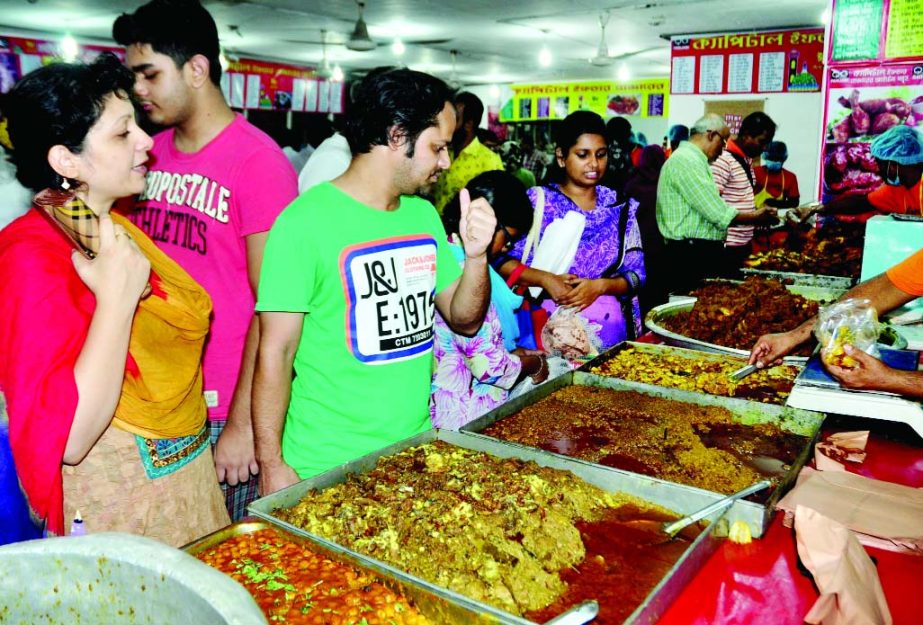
{"points": [[663, 350], [843, 283], [682, 305], [679, 498], [802, 422], [435, 606], [657, 314]]}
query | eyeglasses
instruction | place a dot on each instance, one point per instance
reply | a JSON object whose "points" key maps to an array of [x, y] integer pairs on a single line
{"points": [[510, 239], [724, 139]]}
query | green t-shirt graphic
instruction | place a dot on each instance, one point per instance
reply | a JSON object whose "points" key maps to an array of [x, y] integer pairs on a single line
{"points": [[366, 281]]}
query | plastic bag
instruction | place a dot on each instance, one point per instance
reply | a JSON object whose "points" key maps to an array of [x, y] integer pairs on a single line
{"points": [[570, 335], [853, 322]]}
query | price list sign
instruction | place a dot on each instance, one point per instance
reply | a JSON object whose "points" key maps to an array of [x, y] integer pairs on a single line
{"points": [[905, 30], [856, 29]]}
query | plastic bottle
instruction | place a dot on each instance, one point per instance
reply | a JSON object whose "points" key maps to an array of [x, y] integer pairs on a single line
{"points": [[77, 526]]}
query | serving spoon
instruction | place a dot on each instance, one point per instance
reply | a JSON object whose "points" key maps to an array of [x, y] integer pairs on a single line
{"points": [[672, 528]]}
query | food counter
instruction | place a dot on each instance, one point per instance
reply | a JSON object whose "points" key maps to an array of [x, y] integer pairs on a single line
{"points": [[762, 584], [492, 521]]}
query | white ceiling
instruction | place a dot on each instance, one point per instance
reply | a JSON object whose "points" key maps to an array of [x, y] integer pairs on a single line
{"points": [[497, 41]]}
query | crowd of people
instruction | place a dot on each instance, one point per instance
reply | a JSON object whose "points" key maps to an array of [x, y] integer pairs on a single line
{"points": [[187, 314]]}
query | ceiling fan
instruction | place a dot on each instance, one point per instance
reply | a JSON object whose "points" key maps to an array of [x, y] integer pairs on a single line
{"points": [[602, 57], [359, 39], [324, 71]]}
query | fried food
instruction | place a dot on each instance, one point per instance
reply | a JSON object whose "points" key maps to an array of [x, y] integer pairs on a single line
{"points": [[835, 250], [835, 354], [710, 376], [294, 585], [736, 315], [497, 530], [700, 446]]}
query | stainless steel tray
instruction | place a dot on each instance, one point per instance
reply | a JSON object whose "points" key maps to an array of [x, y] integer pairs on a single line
{"points": [[804, 279], [757, 516], [435, 606], [666, 350], [657, 314], [679, 498]]}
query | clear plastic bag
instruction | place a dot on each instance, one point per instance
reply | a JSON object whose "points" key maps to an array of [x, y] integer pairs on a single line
{"points": [[853, 322], [570, 335]]}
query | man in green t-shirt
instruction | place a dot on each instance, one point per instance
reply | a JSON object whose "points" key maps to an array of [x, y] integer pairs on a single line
{"points": [[352, 274]]}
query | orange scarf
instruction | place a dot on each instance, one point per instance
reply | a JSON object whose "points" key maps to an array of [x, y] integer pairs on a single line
{"points": [[162, 392]]}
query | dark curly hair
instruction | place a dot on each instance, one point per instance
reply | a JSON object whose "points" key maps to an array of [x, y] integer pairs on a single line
{"points": [[58, 105], [506, 195], [389, 98], [180, 29]]}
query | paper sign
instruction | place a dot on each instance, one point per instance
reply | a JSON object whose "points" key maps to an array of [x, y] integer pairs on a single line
{"points": [[856, 29]]}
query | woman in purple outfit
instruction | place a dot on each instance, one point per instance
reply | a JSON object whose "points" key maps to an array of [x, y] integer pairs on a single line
{"points": [[608, 268]]}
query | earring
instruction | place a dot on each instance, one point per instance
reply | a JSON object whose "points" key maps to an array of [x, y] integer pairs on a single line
{"points": [[65, 184]]}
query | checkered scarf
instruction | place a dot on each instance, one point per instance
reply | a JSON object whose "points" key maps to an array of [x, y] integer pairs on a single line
{"points": [[74, 219]]}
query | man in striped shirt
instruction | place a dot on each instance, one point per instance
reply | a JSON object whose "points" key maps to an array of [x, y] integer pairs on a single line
{"points": [[691, 215], [733, 173]]}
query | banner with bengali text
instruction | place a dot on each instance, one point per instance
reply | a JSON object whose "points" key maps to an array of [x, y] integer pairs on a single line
{"points": [[645, 97], [258, 84], [765, 62], [21, 55]]}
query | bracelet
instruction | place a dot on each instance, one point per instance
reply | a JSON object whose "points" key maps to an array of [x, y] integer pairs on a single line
{"points": [[515, 275], [542, 366]]}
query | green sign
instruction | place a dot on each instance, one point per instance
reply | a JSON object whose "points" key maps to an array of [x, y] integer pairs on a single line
{"points": [[856, 29]]}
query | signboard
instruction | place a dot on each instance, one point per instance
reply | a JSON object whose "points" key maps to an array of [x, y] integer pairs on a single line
{"points": [[256, 84], [19, 56], [904, 37], [865, 30], [862, 102], [766, 62], [734, 111], [874, 82], [856, 29], [638, 98]]}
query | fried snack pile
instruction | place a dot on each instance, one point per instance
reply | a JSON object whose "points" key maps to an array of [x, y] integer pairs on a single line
{"points": [[498, 531], [736, 315], [710, 376], [292, 584], [696, 445], [835, 354], [835, 250]]}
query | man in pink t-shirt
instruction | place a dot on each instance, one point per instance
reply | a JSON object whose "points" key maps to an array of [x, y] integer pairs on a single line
{"points": [[214, 188]]}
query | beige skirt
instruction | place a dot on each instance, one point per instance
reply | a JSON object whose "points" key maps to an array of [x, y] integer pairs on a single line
{"points": [[113, 493]]}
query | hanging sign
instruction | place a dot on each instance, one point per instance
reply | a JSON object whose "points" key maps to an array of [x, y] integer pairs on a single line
{"points": [[765, 62], [20, 55], [637, 98], [257, 84]]}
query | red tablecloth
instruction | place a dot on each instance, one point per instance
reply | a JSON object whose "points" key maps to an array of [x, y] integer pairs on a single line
{"points": [[760, 583]]}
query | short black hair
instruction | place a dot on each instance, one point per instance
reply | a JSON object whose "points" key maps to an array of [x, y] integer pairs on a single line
{"points": [[755, 124], [506, 195], [486, 135], [180, 29], [618, 129], [577, 123], [58, 104], [473, 107], [404, 99]]}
